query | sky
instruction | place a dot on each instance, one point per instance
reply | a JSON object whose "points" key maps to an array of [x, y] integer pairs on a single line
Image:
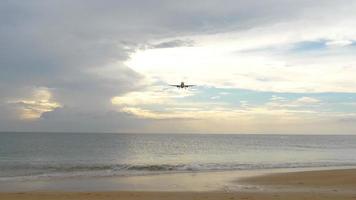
{"points": [[262, 67]]}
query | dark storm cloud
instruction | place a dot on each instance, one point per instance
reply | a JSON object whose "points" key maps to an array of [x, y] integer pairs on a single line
{"points": [[60, 45], [75, 120], [88, 121]]}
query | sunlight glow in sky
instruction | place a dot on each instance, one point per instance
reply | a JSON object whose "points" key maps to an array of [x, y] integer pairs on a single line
{"points": [[289, 68]]}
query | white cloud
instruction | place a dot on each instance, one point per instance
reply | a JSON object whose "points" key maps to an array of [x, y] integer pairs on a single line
{"points": [[153, 95], [261, 58], [339, 43], [215, 97], [261, 72], [277, 98], [33, 107], [149, 105], [300, 103], [307, 100]]}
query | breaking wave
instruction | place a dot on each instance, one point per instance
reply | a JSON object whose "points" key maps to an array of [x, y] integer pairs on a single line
{"points": [[106, 170]]}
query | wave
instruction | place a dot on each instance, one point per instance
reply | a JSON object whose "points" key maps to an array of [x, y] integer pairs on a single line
{"points": [[36, 171]]}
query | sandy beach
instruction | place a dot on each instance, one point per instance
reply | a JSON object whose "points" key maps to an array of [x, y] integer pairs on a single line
{"points": [[322, 184]]}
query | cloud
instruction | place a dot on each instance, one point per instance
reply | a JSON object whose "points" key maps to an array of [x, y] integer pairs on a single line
{"points": [[215, 97], [219, 61], [33, 107], [96, 62], [277, 98], [173, 44], [339, 43], [266, 56], [155, 95], [170, 105], [307, 100], [305, 103], [216, 115], [348, 119]]}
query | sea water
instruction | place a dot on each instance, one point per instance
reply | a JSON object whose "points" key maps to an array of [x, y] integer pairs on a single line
{"points": [[57, 155]]}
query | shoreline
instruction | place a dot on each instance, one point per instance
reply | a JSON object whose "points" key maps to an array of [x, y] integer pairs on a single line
{"points": [[227, 180], [153, 173], [313, 184], [177, 196]]}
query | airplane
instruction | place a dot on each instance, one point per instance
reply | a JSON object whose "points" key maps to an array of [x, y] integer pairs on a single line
{"points": [[182, 85]]}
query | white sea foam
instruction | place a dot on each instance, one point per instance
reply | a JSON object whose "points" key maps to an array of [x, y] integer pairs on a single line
{"points": [[50, 172]]}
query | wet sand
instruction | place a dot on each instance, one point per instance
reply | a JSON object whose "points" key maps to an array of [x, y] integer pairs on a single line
{"points": [[323, 184], [343, 178], [176, 196]]}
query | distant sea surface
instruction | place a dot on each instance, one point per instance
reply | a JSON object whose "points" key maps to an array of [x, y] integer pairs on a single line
{"points": [[57, 155]]}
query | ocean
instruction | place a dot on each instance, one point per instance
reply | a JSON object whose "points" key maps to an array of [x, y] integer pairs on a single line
{"points": [[58, 155]]}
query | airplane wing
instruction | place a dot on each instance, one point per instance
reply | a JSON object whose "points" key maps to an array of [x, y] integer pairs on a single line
{"points": [[175, 85], [189, 85]]}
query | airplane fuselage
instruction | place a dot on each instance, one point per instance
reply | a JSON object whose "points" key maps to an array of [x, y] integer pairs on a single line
{"points": [[182, 85]]}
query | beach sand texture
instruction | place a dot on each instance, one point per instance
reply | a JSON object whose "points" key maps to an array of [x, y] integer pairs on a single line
{"points": [[313, 185]]}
